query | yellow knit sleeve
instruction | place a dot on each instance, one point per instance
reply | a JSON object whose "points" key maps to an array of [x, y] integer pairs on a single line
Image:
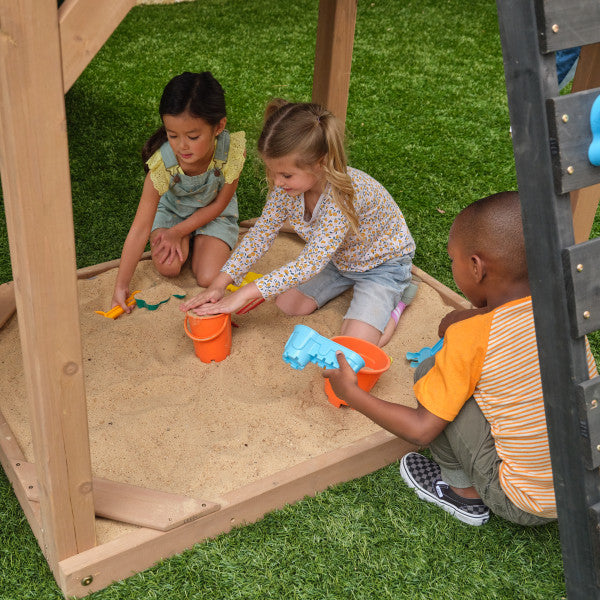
{"points": [[159, 174], [237, 155]]}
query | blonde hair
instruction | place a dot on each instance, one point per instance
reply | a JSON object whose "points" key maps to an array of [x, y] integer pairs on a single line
{"points": [[315, 135]]}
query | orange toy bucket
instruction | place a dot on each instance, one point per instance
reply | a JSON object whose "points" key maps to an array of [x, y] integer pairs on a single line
{"points": [[376, 363], [211, 335]]}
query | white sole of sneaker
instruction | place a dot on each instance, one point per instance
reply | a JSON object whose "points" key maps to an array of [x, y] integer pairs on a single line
{"points": [[430, 497]]}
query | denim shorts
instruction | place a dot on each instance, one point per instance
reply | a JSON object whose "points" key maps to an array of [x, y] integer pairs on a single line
{"points": [[376, 291]]}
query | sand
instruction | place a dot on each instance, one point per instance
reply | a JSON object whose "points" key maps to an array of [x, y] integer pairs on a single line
{"points": [[161, 418]]}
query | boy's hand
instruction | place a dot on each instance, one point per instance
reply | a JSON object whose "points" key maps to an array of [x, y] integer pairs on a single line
{"points": [[460, 314], [343, 380]]}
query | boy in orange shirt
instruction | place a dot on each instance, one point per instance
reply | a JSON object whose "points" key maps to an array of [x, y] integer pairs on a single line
{"points": [[480, 406]]}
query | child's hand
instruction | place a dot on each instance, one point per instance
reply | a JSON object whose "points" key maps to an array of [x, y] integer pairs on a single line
{"points": [[166, 246], [343, 380], [119, 298], [230, 303], [460, 314], [208, 297]]}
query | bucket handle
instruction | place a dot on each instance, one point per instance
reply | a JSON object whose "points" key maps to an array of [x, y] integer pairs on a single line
{"points": [[212, 337]]}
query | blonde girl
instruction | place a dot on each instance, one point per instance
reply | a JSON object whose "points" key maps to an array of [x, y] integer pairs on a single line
{"points": [[355, 234], [188, 202]]}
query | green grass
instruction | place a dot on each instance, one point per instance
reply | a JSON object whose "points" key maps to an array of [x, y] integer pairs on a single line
{"points": [[428, 117]]}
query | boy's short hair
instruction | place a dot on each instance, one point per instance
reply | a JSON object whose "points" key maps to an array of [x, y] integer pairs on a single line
{"points": [[492, 228]]}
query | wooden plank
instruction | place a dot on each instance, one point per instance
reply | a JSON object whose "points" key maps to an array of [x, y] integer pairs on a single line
{"points": [[530, 80], [10, 457], [131, 503], [34, 165], [333, 55], [8, 304], [588, 399], [450, 297], [584, 202], [584, 206], [581, 264], [84, 27], [569, 125], [93, 270], [567, 24], [122, 557]]}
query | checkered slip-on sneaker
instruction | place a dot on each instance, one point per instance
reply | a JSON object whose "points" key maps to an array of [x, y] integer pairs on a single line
{"points": [[425, 477]]}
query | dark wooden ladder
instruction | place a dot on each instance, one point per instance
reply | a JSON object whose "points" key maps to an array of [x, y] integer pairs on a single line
{"points": [[551, 135]]}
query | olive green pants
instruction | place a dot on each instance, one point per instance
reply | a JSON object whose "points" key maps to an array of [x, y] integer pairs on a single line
{"points": [[466, 454]]}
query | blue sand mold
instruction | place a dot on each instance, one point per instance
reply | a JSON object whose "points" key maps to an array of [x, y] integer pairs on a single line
{"points": [[306, 345]]}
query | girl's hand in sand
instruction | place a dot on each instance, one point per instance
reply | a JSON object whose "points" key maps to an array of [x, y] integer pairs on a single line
{"points": [[230, 303], [119, 298], [212, 294], [343, 380], [166, 246], [209, 296]]}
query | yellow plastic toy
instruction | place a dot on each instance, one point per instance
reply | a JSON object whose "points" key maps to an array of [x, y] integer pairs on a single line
{"points": [[248, 278], [117, 311]]}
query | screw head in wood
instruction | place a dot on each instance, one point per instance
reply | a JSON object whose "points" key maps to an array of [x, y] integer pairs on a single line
{"points": [[87, 580], [570, 170], [586, 314], [565, 118], [580, 267], [594, 403], [555, 27]]}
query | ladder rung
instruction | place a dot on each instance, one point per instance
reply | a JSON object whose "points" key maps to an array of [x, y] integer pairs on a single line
{"points": [[581, 263], [571, 135], [588, 399], [567, 24]]}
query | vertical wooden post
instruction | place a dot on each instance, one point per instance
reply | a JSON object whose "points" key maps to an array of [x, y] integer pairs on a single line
{"points": [[34, 165], [584, 202], [333, 55]]}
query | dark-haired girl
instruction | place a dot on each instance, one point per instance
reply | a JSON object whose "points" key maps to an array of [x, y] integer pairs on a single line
{"points": [[189, 194]]}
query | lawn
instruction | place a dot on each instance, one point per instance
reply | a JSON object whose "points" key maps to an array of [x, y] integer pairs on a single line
{"points": [[428, 117]]}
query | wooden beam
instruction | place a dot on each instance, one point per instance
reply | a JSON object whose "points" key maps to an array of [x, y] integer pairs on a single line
{"points": [[94, 569], [34, 166], [84, 27], [7, 302], [584, 202], [333, 55], [11, 456], [131, 504]]}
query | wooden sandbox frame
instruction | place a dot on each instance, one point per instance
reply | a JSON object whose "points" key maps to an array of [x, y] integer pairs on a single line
{"points": [[42, 52]]}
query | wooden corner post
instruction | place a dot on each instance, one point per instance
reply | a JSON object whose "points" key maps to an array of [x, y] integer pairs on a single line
{"points": [[34, 165], [333, 55]]}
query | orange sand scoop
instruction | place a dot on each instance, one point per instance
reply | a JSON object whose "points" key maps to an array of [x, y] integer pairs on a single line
{"points": [[117, 311]]}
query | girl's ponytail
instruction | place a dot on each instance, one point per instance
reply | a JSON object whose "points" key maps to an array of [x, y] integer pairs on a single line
{"points": [[314, 135], [153, 143]]}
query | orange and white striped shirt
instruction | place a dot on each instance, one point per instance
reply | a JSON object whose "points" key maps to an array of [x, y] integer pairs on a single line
{"points": [[494, 358]]}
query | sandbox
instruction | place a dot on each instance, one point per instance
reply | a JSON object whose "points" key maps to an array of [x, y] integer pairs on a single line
{"points": [[161, 419]]}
